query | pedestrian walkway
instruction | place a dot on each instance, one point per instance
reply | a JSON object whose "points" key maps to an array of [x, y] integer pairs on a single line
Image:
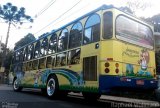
{"points": [[5, 87]]}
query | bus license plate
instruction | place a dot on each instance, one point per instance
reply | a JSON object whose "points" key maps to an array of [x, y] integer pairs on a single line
{"points": [[140, 82]]}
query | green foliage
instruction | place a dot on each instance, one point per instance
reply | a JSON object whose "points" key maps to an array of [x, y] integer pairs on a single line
{"points": [[8, 60], [44, 34], [126, 9], [13, 16], [155, 20], [10, 13], [26, 40]]}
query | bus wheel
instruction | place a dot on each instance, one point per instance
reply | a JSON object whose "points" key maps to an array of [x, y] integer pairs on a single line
{"points": [[91, 96], [52, 87], [16, 86]]}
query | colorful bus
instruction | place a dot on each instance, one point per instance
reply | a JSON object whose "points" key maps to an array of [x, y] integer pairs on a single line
{"points": [[100, 52]]}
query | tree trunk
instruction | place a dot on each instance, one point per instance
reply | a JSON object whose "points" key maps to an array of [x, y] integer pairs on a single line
{"points": [[9, 26], [5, 47]]}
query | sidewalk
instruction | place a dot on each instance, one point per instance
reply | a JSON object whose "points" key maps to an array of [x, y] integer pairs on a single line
{"points": [[5, 87]]}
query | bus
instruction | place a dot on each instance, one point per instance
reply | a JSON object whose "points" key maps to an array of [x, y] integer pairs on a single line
{"points": [[105, 50]]}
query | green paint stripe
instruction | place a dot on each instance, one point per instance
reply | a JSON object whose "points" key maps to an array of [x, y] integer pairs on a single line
{"points": [[78, 88]]}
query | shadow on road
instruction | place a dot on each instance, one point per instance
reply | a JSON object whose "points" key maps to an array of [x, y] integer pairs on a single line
{"points": [[79, 101]]}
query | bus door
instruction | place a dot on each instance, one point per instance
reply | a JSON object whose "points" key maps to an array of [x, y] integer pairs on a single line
{"points": [[90, 58], [90, 50]]}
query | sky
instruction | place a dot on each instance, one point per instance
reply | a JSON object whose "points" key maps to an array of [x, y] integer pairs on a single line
{"points": [[59, 13]]}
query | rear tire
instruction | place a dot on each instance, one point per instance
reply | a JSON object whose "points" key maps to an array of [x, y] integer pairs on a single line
{"points": [[52, 87], [16, 85]]}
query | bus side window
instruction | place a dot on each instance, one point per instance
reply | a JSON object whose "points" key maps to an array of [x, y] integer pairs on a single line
{"points": [[44, 47], [37, 50], [63, 40], [42, 63], [29, 66], [92, 29], [74, 57], [61, 59], [53, 61], [25, 56], [30, 52], [49, 62], [75, 37], [107, 25], [24, 67], [52, 44], [35, 65]]}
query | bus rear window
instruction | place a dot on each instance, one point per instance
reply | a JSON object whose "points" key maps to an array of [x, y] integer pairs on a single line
{"points": [[134, 32]]}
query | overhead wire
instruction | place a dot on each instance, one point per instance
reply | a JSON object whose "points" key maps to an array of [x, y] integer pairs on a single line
{"points": [[45, 8], [73, 13], [59, 17]]}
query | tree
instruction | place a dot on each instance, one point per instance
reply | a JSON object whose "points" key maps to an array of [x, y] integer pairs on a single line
{"points": [[26, 40], [2, 53], [126, 9], [44, 34], [12, 16], [135, 5]]}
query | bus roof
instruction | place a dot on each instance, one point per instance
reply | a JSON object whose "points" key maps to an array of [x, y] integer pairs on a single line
{"points": [[53, 31], [103, 7]]}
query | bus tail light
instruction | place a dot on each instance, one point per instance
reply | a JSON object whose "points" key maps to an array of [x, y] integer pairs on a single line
{"points": [[106, 70], [117, 70], [106, 64], [117, 65]]}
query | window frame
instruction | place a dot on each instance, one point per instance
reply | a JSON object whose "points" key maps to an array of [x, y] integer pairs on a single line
{"points": [[64, 47], [69, 58], [54, 36], [108, 37], [138, 22], [91, 27], [45, 47], [37, 50], [70, 46]]}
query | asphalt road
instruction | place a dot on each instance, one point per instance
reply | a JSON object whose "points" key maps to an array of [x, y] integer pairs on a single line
{"points": [[35, 99]]}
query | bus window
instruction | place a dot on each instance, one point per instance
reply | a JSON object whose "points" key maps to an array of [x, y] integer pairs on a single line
{"points": [[17, 56], [21, 54], [35, 65], [49, 62], [61, 59], [25, 54], [107, 25], [29, 66], [37, 50], [24, 67], [134, 32], [92, 29], [19, 67], [30, 52], [75, 37], [74, 57], [42, 63], [44, 47], [53, 61], [63, 40], [52, 44]]}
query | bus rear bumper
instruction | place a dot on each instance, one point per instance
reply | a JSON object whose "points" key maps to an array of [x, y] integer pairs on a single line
{"points": [[108, 82]]}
